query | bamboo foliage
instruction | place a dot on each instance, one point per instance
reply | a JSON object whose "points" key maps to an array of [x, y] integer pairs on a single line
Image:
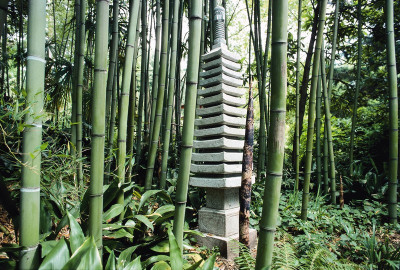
{"points": [[98, 123], [311, 112], [393, 113], [32, 136], [276, 138], [160, 98], [188, 121]]}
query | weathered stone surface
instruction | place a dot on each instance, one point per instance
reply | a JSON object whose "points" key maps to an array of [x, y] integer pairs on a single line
{"points": [[221, 98], [228, 246], [221, 182], [221, 88], [220, 52], [222, 199], [220, 109], [223, 143], [222, 168], [221, 62], [220, 131], [221, 78], [218, 157], [219, 222], [222, 119], [218, 70]]}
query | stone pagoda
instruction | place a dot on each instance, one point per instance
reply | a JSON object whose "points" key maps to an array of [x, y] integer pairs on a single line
{"points": [[218, 146]]}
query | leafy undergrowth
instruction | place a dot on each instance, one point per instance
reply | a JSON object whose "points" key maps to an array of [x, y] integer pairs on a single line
{"points": [[355, 237]]}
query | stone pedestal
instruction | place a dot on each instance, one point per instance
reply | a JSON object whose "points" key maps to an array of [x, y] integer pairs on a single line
{"points": [[218, 148]]}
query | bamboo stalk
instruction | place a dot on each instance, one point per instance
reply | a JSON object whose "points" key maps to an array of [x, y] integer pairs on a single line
{"points": [[276, 138], [98, 123], [188, 122], [160, 98], [32, 136], [393, 113], [311, 112]]}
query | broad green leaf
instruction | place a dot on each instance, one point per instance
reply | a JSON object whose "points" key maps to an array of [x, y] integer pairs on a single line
{"points": [[48, 246], [134, 265], [161, 266], [111, 262], [85, 257], [76, 235], [146, 196], [154, 259], [110, 193], [145, 221], [174, 251], [114, 211], [112, 226], [209, 263], [130, 224], [162, 247], [125, 257], [45, 217], [57, 257], [165, 209], [195, 266], [120, 234]]}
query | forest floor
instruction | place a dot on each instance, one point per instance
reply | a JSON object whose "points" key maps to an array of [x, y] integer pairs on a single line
{"points": [[7, 233]]}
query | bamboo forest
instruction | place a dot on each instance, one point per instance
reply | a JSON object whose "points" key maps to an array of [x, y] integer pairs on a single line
{"points": [[199, 134]]}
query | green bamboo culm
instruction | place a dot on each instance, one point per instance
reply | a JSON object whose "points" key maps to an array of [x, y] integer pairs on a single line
{"points": [[326, 158], [171, 91], [188, 120], [297, 128], [111, 90], [393, 113], [32, 136], [333, 52], [318, 132], [124, 96], [132, 103], [142, 84], [98, 123], [276, 138], [160, 98], [156, 67], [77, 7], [358, 85], [263, 103], [79, 89], [332, 172], [311, 110], [112, 62]]}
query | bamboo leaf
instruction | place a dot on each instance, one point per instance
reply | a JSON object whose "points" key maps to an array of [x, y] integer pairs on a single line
{"points": [[111, 262], [195, 266], [147, 196], [209, 263], [85, 257], [48, 246], [134, 265], [161, 266], [154, 259], [162, 247], [145, 221], [125, 256], [175, 252], [121, 234], [76, 235], [57, 257], [114, 211]]}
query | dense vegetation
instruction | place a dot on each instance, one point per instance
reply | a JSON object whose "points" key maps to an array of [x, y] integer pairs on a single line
{"points": [[97, 110]]}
